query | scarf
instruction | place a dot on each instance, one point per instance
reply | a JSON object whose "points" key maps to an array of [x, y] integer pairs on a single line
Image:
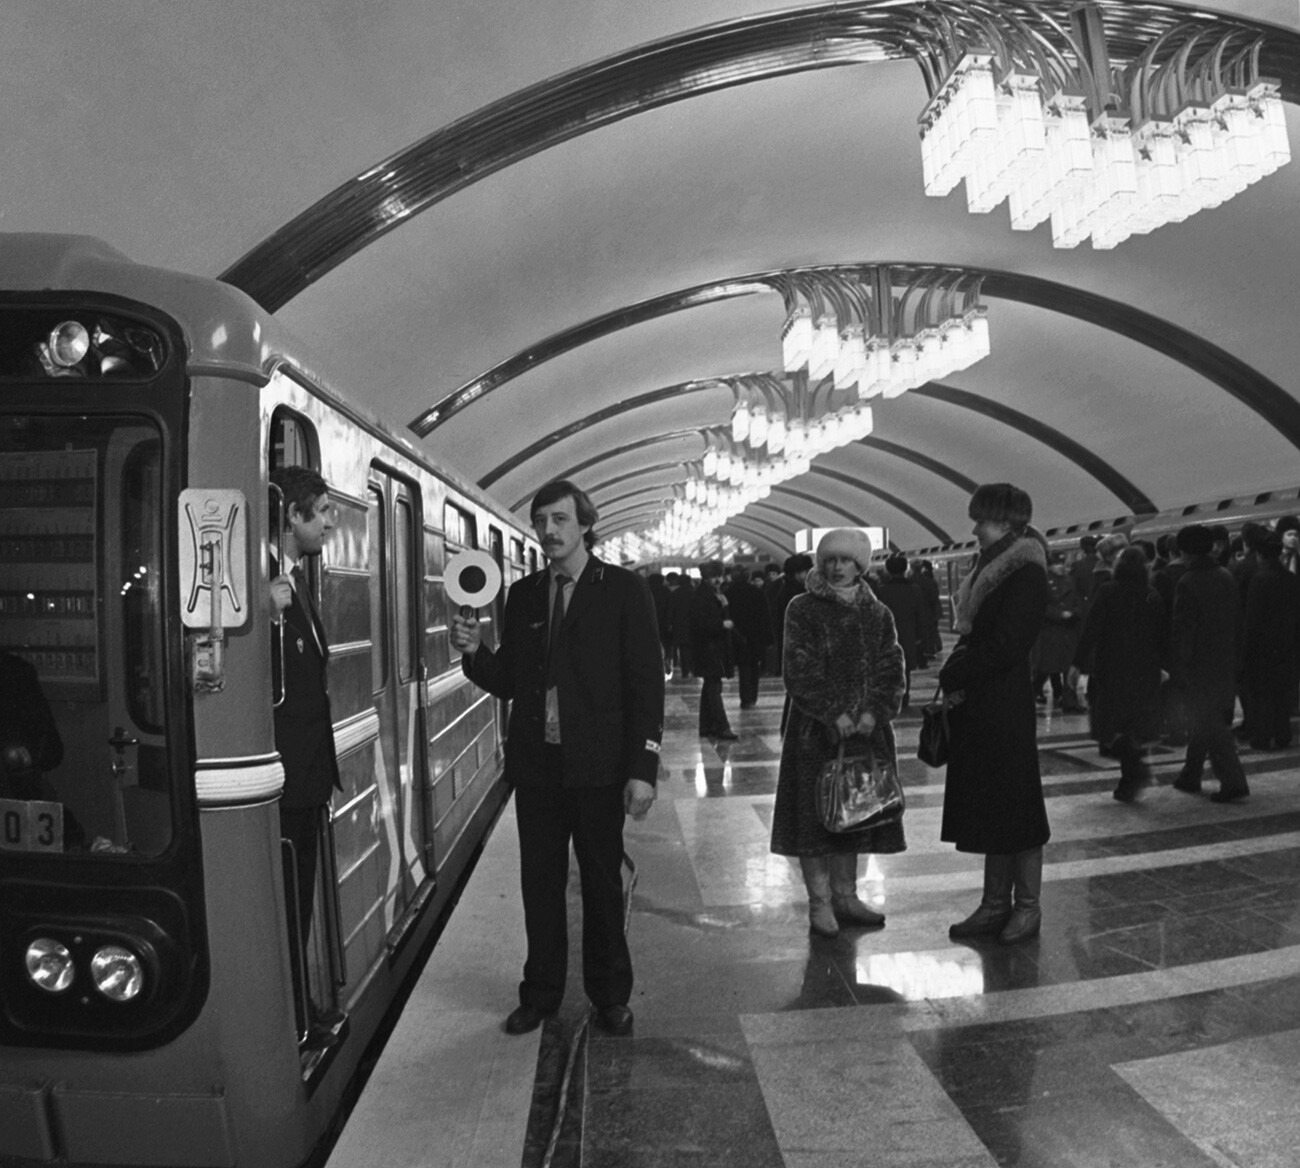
{"points": [[1008, 555], [859, 593]]}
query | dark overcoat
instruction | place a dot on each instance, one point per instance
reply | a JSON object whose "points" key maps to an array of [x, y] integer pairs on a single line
{"points": [[1205, 636], [1272, 625], [609, 676], [1054, 652], [841, 656], [905, 602], [993, 792], [1122, 647], [931, 641], [304, 726], [710, 641]]}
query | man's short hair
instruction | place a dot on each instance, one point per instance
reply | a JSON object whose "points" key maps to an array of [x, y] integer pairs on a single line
{"points": [[583, 507], [1218, 533], [896, 565], [772, 569], [799, 562], [1195, 540], [711, 569], [1088, 544], [301, 487], [1001, 503]]}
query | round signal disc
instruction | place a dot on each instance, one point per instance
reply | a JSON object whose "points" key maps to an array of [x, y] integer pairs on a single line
{"points": [[472, 579]]}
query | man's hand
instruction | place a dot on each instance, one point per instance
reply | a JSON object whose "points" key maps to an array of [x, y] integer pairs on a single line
{"points": [[465, 634], [637, 798], [866, 724], [281, 595], [844, 726]]}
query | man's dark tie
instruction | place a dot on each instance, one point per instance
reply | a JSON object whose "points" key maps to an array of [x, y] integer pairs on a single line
{"points": [[557, 627], [303, 590]]}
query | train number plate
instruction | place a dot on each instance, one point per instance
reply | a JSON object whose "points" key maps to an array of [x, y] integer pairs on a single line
{"points": [[31, 826]]}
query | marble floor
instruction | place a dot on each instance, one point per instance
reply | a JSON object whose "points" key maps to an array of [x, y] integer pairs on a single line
{"points": [[1154, 1022]]}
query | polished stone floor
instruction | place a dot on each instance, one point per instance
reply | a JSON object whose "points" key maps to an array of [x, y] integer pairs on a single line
{"points": [[1155, 1021]]}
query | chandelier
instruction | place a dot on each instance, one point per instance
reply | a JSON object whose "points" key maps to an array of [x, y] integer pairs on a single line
{"points": [[850, 336], [1050, 125]]}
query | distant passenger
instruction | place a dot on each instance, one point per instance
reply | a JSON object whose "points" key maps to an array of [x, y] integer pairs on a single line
{"points": [[1271, 650], [903, 599], [844, 677], [679, 618], [579, 661], [1054, 652], [993, 792], [922, 573], [1081, 571], [752, 632], [1122, 647], [711, 626], [1205, 640]]}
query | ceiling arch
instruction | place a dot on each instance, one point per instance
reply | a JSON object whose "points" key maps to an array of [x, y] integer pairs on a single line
{"points": [[646, 77]]}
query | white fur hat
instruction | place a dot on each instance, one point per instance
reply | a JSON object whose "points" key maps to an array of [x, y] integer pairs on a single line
{"points": [[845, 541]]}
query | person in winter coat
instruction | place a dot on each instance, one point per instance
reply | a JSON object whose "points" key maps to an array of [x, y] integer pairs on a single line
{"points": [[1054, 653], [993, 793], [795, 572], [1204, 646], [711, 627], [752, 634], [678, 618], [1271, 648], [928, 586], [844, 676], [898, 594], [1122, 646]]}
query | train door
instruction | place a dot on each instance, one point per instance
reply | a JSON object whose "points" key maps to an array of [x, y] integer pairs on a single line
{"points": [[399, 681]]}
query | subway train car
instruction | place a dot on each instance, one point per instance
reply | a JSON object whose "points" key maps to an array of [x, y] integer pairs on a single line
{"points": [[952, 561], [155, 1002]]}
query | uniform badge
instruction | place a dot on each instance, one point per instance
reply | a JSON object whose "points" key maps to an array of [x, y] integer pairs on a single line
{"points": [[300, 645]]}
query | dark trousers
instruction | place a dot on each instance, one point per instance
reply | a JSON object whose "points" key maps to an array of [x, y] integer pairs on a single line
{"points": [[549, 817], [301, 827], [686, 658], [1210, 735], [1267, 712], [713, 715], [748, 670]]}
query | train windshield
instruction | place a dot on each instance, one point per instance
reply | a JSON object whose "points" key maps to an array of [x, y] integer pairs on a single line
{"points": [[83, 720]]}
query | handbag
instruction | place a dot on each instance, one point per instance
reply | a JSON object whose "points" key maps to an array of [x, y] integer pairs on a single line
{"points": [[932, 746], [858, 791]]}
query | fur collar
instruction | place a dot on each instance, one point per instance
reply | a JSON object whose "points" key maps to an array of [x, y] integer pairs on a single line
{"points": [[860, 597], [976, 588]]}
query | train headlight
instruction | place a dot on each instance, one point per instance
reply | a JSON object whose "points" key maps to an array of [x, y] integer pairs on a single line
{"points": [[49, 965], [117, 973], [69, 342]]}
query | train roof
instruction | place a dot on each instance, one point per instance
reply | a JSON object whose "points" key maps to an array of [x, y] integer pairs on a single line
{"points": [[224, 328]]}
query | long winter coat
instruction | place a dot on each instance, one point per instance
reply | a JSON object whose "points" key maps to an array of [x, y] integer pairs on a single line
{"points": [[904, 600], [841, 656], [1054, 652], [993, 794], [1205, 636], [1122, 646], [1271, 633]]}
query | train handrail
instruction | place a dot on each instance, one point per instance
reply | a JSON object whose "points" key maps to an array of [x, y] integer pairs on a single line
{"points": [[278, 540]]}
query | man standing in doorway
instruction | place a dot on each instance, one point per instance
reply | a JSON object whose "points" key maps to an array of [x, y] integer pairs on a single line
{"points": [[304, 726], [579, 659]]}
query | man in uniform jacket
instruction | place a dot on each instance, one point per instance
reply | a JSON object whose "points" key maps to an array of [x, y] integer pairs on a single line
{"points": [[579, 659], [1205, 641], [304, 726]]}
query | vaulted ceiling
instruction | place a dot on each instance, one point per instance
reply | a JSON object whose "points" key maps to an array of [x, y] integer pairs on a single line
{"points": [[539, 231]]}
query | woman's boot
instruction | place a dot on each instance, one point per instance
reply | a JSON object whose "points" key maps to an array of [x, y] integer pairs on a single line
{"points": [[848, 909], [817, 879], [1027, 916], [995, 909]]}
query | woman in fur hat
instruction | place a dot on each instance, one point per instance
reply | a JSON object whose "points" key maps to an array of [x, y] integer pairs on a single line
{"points": [[993, 793], [843, 672]]}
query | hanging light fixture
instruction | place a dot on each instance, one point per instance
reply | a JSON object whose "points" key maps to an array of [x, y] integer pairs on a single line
{"points": [[1038, 116]]}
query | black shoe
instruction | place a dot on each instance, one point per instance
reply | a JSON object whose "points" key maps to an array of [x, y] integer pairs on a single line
{"points": [[614, 1020], [1230, 794], [1188, 784], [523, 1019]]}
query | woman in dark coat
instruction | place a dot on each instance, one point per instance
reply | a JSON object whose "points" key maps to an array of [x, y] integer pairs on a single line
{"points": [[843, 672], [928, 586], [993, 793], [1122, 646], [1269, 649]]}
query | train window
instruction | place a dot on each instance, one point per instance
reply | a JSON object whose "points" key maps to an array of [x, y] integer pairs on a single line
{"points": [[82, 626], [1095, 525], [517, 552], [1265, 497], [1072, 529], [375, 566], [404, 600], [1224, 504], [532, 559], [292, 441], [459, 526], [1191, 509]]}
